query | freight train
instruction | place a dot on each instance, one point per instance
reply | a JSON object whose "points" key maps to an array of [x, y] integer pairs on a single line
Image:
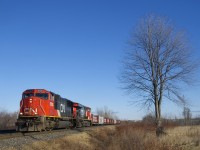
{"points": [[42, 110]]}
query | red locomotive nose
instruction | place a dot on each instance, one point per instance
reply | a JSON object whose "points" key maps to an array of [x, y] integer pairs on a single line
{"points": [[28, 107]]}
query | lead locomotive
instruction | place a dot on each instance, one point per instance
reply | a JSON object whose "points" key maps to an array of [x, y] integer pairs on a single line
{"points": [[44, 110]]}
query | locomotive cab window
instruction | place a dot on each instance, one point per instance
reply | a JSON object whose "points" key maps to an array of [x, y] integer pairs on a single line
{"points": [[26, 95], [42, 95]]}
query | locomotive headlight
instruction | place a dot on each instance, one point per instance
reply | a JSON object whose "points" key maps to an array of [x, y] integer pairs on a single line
{"points": [[21, 113]]}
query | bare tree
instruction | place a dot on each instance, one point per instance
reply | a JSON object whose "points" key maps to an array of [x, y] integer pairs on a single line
{"points": [[156, 63], [187, 115]]}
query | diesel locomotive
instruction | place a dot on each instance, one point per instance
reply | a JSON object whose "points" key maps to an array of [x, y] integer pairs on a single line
{"points": [[42, 110]]}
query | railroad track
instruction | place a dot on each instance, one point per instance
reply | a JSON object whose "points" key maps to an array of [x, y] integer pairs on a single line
{"points": [[16, 140], [6, 134], [10, 139]]}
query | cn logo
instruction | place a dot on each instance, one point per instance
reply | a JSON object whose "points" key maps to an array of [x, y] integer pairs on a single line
{"points": [[62, 108]]}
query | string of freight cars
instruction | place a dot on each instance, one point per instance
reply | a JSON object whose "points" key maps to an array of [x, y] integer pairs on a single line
{"points": [[42, 110]]}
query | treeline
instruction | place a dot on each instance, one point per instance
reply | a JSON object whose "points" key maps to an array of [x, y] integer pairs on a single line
{"points": [[150, 119], [106, 112], [7, 120]]}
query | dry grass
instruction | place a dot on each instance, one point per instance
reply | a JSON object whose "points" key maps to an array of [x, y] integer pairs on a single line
{"points": [[141, 138], [94, 139], [126, 137], [76, 142], [184, 137]]}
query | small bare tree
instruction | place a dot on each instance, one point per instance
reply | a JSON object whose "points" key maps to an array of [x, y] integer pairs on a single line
{"points": [[156, 63], [187, 115]]}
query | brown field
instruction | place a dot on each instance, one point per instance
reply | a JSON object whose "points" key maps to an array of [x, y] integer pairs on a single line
{"points": [[125, 137]]}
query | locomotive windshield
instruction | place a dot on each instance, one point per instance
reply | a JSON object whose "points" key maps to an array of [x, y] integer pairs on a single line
{"points": [[42, 95], [26, 95]]}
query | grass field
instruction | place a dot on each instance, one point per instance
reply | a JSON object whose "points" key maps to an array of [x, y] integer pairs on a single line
{"points": [[125, 137]]}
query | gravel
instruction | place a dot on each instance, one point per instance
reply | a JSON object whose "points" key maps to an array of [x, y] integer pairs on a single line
{"points": [[16, 143]]}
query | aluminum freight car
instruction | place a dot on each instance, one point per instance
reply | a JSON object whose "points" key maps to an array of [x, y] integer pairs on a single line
{"points": [[97, 120]]}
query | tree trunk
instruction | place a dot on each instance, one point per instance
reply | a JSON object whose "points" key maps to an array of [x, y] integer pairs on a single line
{"points": [[159, 127]]}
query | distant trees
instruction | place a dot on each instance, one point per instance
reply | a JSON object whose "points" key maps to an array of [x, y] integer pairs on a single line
{"points": [[106, 112], [158, 61], [7, 120], [148, 119]]}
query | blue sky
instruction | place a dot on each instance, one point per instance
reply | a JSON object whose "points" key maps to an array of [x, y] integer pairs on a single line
{"points": [[74, 48]]}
